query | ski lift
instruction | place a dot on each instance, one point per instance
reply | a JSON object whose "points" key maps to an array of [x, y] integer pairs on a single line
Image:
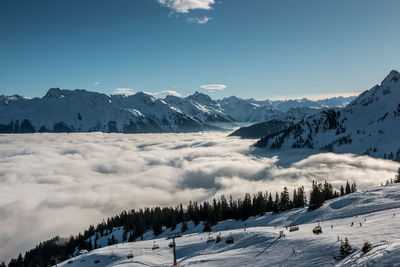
{"points": [[130, 255], [229, 240], [171, 244], [155, 246], [317, 230], [210, 239], [82, 251], [281, 234], [293, 228], [218, 239], [112, 255]]}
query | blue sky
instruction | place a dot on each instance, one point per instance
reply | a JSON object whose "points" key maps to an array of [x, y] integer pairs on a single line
{"points": [[257, 48]]}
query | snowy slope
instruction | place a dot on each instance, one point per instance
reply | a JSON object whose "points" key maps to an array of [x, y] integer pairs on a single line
{"points": [[285, 105], [200, 107], [375, 214], [259, 130], [83, 111], [368, 125], [249, 110], [6, 100]]}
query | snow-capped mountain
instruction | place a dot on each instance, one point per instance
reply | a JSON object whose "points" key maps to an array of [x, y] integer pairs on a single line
{"points": [[370, 124], [6, 100], [286, 105], [84, 111], [249, 110], [200, 107]]}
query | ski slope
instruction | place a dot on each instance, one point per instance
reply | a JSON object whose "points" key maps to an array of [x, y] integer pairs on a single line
{"points": [[375, 214]]}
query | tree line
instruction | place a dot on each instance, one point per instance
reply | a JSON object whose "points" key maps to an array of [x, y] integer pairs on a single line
{"points": [[136, 222]]}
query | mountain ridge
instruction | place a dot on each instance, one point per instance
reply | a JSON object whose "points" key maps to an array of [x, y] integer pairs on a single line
{"points": [[80, 110], [368, 125]]}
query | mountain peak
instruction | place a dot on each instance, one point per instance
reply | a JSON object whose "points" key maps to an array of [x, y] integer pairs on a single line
{"points": [[394, 76], [200, 97], [53, 93]]}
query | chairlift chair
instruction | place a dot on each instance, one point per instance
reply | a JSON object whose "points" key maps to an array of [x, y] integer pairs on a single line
{"points": [[317, 230], [218, 239], [155, 246], [229, 240], [112, 255], [130, 255], [210, 239]]}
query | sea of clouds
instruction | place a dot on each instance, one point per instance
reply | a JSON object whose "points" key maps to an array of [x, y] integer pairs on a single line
{"points": [[58, 184]]}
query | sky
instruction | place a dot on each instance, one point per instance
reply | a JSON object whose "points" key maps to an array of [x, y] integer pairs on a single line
{"points": [[259, 48]]}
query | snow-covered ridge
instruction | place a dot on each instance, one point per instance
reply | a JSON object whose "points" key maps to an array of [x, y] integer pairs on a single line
{"points": [[371, 215], [79, 110], [368, 125]]}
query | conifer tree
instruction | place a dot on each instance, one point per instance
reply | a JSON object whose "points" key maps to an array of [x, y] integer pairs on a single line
{"points": [[316, 196], [269, 205], [207, 227], [397, 178], [348, 189], [345, 248], [184, 226], [353, 188], [341, 190], [285, 200]]}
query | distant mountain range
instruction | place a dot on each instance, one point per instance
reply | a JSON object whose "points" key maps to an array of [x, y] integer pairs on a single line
{"points": [[369, 125], [83, 111]]}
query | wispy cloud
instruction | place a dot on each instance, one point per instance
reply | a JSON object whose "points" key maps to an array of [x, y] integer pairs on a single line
{"points": [[123, 91], [199, 20], [184, 6], [213, 87], [164, 93], [96, 83], [313, 96]]}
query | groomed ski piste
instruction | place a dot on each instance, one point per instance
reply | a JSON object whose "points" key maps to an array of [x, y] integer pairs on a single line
{"points": [[374, 214]]}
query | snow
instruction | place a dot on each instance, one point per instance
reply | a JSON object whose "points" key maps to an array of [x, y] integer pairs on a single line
{"points": [[375, 214], [370, 122], [83, 111]]}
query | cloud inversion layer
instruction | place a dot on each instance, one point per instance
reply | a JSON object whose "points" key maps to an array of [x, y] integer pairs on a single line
{"points": [[58, 184]]}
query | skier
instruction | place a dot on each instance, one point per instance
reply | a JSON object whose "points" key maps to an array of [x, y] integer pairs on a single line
{"points": [[294, 251], [331, 226], [360, 224], [352, 223]]}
